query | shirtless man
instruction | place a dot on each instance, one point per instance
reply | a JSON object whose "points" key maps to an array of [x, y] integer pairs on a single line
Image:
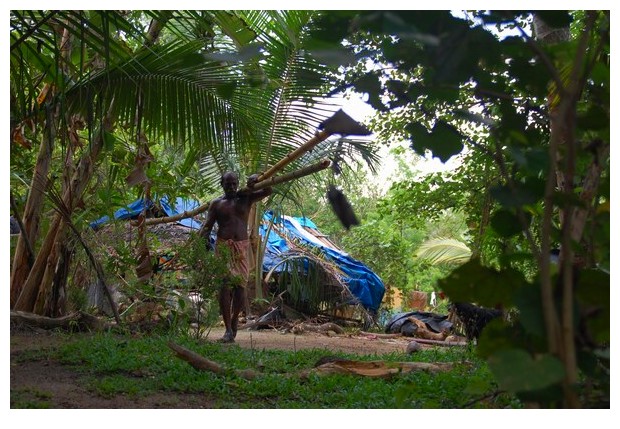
{"points": [[231, 213]]}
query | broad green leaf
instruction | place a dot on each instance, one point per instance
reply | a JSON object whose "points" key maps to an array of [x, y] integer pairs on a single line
{"points": [[499, 335], [528, 302], [506, 223], [526, 193], [108, 140], [370, 84], [444, 251], [595, 118], [471, 282], [593, 296], [444, 141], [517, 371], [226, 90], [600, 73], [532, 159]]}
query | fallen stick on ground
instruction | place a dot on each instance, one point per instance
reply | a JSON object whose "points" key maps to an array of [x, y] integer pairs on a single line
{"points": [[78, 319], [324, 328], [325, 366], [383, 336], [204, 364], [439, 342], [374, 369]]}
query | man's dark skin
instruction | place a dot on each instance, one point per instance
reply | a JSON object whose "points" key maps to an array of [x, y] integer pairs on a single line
{"points": [[231, 212]]}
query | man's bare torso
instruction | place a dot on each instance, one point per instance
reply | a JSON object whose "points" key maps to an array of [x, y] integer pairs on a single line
{"points": [[231, 216]]}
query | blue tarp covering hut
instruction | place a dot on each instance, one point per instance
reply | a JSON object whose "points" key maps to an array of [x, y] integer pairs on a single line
{"points": [[363, 283]]}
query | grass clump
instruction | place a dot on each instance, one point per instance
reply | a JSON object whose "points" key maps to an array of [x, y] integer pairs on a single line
{"points": [[30, 398]]}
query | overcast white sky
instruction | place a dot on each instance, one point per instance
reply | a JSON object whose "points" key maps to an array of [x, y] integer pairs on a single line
{"points": [[355, 107]]}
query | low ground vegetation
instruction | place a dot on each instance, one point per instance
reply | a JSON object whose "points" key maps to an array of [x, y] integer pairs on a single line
{"points": [[109, 370]]}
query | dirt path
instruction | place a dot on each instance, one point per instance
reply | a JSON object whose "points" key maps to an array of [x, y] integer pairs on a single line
{"points": [[355, 344], [50, 383]]}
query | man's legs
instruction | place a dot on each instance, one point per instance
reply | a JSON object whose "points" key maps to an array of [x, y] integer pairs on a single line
{"points": [[225, 298], [238, 302]]}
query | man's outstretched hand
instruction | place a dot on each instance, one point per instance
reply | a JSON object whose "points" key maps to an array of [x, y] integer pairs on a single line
{"points": [[252, 180]]}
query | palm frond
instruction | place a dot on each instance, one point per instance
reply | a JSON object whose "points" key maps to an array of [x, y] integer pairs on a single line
{"points": [[179, 91], [443, 251], [252, 111], [288, 108]]}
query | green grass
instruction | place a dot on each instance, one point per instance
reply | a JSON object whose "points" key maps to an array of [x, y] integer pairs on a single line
{"points": [[114, 365], [30, 398]]}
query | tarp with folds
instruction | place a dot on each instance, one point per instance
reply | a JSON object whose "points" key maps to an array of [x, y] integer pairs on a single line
{"points": [[363, 283], [400, 322]]}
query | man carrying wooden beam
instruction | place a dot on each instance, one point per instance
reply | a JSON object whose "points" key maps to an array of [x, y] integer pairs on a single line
{"points": [[231, 212]]}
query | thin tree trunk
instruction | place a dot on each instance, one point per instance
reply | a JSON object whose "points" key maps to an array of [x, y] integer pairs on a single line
{"points": [[563, 150], [58, 301], [43, 302], [155, 28], [254, 289], [27, 298]]}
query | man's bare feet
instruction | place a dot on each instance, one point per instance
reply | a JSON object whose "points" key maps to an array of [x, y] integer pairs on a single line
{"points": [[227, 338]]}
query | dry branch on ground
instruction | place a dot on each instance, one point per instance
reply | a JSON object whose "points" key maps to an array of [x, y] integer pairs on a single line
{"points": [[78, 319], [326, 366]]}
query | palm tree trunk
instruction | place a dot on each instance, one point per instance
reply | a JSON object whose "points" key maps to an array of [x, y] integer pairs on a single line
{"points": [[32, 211], [27, 298], [37, 287]]}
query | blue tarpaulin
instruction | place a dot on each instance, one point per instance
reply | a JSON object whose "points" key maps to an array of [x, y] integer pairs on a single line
{"points": [[128, 212], [181, 205], [134, 209], [363, 283]]}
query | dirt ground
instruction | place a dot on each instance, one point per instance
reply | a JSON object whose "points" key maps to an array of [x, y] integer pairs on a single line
{"points": [[60, 387]]}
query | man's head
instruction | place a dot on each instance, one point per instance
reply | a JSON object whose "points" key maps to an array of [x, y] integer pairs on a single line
{"points": [[230, 183]]}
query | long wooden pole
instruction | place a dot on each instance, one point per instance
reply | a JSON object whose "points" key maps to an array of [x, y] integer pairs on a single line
{"points": [[283, 178], [302, 172], [293, 155]]}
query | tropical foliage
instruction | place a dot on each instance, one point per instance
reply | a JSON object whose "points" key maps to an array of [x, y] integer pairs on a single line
{"points": [[142, 102], [532, 109]]}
